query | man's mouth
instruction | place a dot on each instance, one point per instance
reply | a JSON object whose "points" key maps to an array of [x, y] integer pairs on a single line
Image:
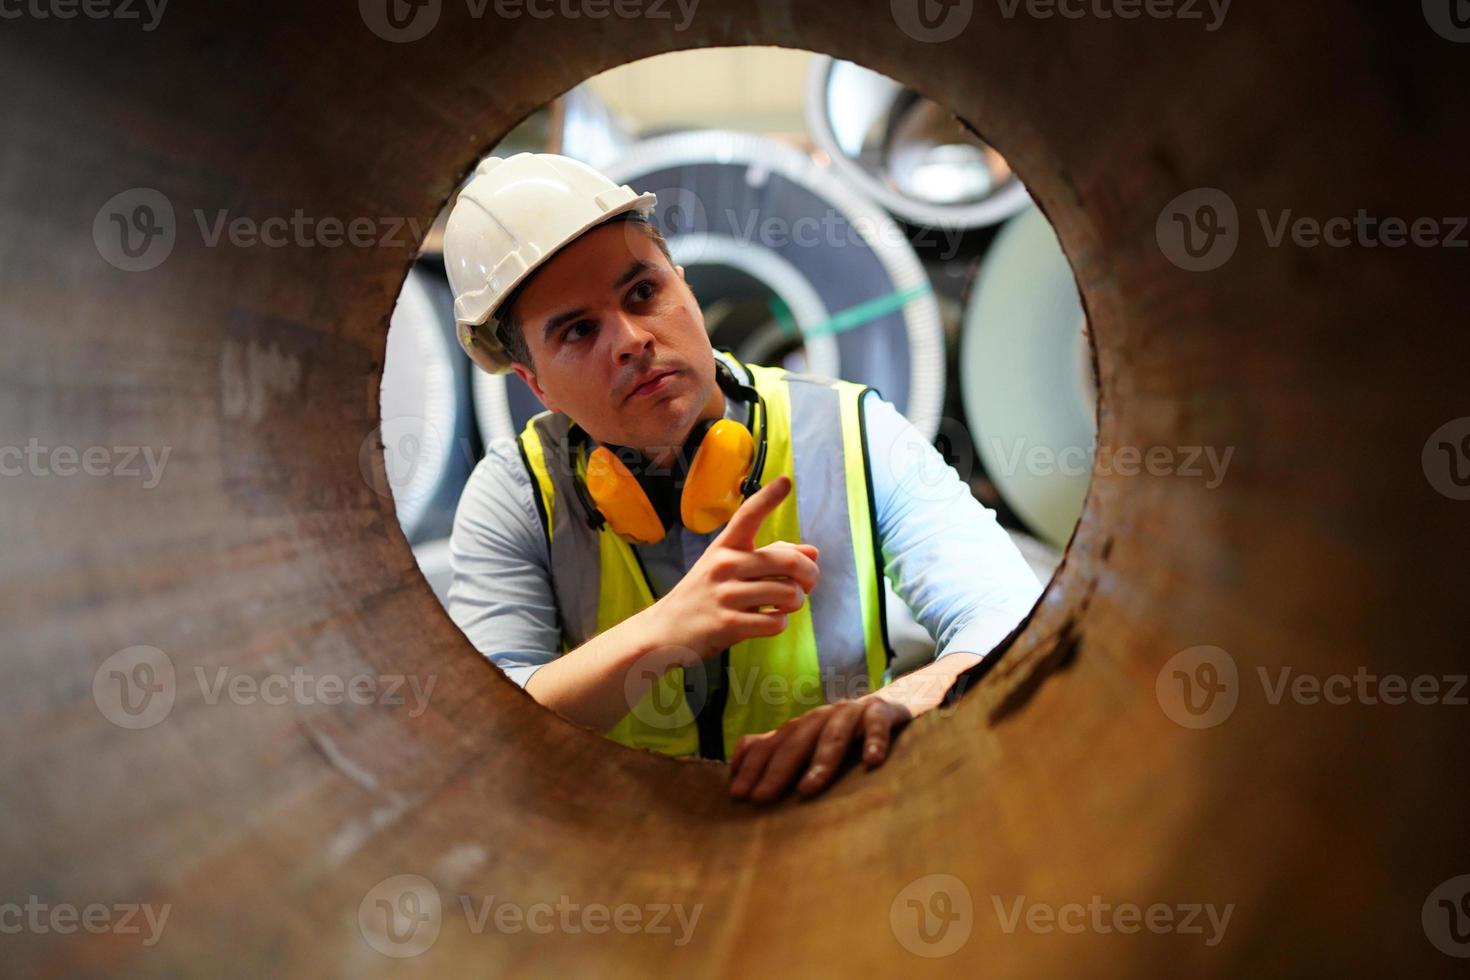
{"points": [[650, 383]]}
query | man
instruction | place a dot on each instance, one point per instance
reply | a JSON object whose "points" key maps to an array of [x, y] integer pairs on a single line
{"points": [[686, 553]]}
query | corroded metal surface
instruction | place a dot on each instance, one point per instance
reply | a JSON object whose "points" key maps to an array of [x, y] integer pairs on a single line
{"points": [[262, 549]]}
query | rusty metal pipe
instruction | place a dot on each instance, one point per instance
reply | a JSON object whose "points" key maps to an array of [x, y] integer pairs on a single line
{"points": [[262, 549]]}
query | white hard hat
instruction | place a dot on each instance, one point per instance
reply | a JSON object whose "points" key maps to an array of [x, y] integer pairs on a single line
{"points": [[510, 218]]}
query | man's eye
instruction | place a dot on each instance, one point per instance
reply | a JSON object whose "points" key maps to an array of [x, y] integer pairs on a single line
{"points": [[577, 330], [644, 290]]}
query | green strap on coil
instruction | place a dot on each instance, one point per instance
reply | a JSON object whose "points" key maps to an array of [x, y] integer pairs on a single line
{"points": [[850, 318]]}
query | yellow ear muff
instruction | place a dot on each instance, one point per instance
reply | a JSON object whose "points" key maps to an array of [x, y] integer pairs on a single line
{"points": [[711, 493], [616, 491]]}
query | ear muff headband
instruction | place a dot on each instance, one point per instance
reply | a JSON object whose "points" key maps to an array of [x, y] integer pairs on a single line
{"points": [[751, 482], [725, 468]]}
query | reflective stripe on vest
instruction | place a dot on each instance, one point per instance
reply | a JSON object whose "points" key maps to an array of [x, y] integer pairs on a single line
{"points": [[833, 647]]}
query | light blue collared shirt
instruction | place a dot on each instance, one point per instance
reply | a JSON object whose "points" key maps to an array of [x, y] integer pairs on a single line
{"points": [[948, 559]]}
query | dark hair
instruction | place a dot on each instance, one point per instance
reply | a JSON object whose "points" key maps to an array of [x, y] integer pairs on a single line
{"points": [[509, 331]]}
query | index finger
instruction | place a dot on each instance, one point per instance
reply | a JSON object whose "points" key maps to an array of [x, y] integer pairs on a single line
{"points": [[741, 531]]}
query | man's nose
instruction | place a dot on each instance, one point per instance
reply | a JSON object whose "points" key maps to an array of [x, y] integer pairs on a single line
{"points": [[630, 338]]}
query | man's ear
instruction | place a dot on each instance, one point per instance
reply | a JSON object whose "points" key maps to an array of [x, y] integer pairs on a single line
{"points": [[529, 377], [680, 270]]}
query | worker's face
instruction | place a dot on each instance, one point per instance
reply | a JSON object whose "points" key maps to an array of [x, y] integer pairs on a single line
{"points": [[618, 340]]}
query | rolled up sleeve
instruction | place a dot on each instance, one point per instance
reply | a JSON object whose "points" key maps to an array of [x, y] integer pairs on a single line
{"points": [[501, 594], [946, 555]]}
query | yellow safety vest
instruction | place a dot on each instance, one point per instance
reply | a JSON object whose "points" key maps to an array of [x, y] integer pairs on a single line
{"points": [[834, 647]]}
